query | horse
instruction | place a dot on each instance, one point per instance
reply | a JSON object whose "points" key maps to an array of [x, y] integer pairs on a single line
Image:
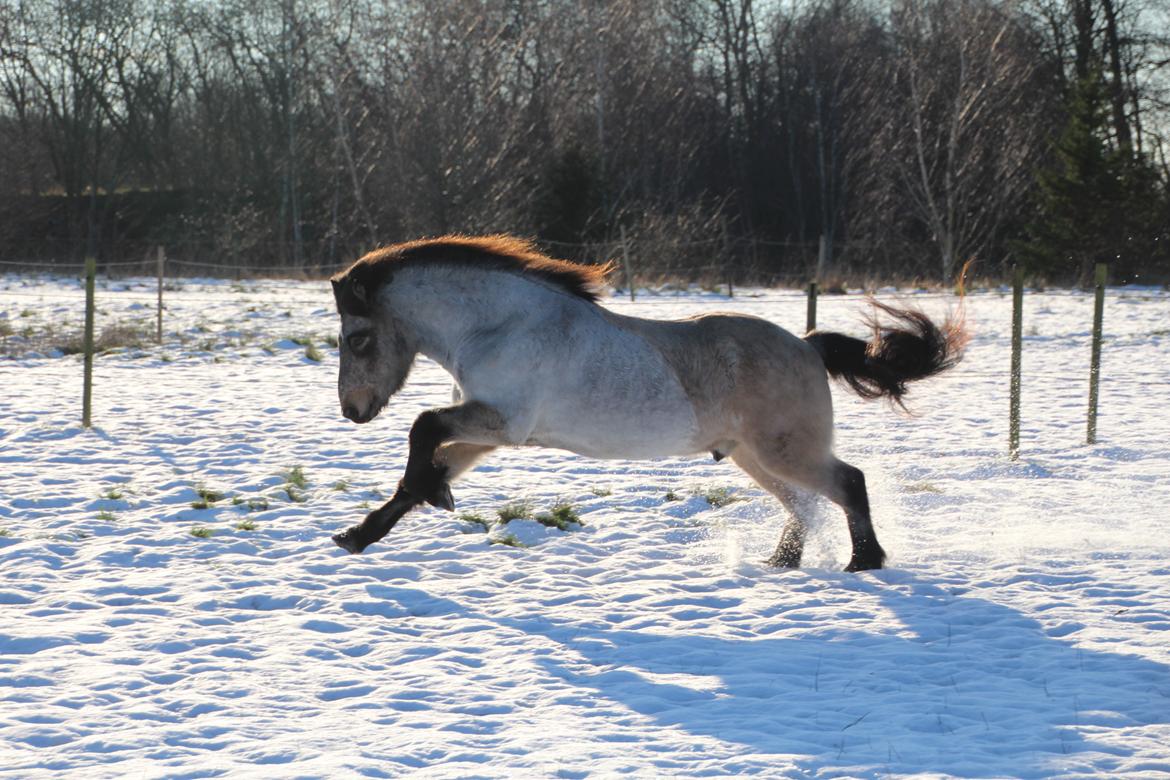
{"points": [[537, 361]]}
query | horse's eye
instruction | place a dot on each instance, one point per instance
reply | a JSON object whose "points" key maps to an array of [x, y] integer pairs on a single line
{"points": [[359, 342]]}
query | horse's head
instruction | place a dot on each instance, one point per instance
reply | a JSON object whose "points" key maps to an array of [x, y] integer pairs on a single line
{"points": [[376, 354]]}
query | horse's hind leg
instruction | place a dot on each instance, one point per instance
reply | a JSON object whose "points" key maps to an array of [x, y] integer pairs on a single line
{"points": [[791, 546], [842, 484], [848, 491]]}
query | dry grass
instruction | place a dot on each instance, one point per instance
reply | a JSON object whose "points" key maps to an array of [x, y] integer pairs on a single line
{"points": [[120, 335]]}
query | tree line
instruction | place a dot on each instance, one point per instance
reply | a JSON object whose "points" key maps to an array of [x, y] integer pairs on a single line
{"points": [[756, 140]]}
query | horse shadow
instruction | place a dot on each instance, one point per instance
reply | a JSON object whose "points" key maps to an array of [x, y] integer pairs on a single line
{"points": [[964, 686]]}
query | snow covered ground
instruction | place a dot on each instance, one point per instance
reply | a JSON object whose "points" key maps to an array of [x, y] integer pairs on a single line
{"points": [[1022, 629]]}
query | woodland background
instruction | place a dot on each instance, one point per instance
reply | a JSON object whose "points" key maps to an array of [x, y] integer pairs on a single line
{"points": [[760, 141]]}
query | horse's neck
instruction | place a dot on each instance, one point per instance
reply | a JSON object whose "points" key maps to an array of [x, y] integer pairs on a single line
{"points": [[443, 306]]}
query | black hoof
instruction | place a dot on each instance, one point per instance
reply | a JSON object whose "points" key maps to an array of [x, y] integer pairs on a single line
{"points": [[348, 541], [866, 561]]}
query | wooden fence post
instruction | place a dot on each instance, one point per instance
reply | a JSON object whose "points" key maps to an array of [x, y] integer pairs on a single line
{"points": [[810, 319], [729, 261], [1017, 356], [822, 257], [1095, 359], [162, 259], [626, 264], [87, 381]]}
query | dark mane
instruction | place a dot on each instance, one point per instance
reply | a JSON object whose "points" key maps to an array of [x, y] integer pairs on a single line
{"points": [[498, 252]]}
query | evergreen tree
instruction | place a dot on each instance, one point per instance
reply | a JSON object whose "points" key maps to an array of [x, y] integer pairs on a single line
{"points": [[1096, 203]]}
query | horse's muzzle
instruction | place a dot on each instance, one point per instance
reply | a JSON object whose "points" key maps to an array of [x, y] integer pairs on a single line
{"points": [[357, 415], [360, 406]]}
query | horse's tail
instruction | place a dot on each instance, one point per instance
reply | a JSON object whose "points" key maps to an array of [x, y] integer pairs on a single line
{"points": [[914, 348]]}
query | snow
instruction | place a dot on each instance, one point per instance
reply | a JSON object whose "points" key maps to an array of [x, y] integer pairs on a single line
{"points": [[1020, 630]]}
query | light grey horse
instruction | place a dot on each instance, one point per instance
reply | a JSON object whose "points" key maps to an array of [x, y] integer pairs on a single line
{"points": [[538, 362]]}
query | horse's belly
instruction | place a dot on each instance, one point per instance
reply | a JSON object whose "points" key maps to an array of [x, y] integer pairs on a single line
{"points": [[601, 427], [633, 444]]}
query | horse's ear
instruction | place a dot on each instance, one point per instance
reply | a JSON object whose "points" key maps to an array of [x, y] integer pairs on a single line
{"points": [[358, 290]]}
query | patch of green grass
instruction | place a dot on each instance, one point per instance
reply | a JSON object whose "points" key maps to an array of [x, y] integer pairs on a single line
{"points": [[312, 353], [475, 519], [246, 525], [207, 497], [113, 494], [301, 341], [27, 313], [601, 492], [922, 487], [331, 341], [106, 516], [508, 540], [201, 532], [717, 497], [295, 475], [5, 328], [341, 485], [4, 532], [294, 484], [561, 516], [516, 510], [671, 496]]}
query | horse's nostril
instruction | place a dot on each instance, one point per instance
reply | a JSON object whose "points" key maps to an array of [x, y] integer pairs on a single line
{"points": [[350, 411]]}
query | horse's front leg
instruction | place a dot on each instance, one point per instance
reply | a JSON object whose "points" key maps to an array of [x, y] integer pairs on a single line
{"points": [[377, 523], [474, 423], [454, 458]]}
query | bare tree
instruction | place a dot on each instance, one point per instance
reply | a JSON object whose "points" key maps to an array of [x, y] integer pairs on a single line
{"points": [[973, 131]]}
